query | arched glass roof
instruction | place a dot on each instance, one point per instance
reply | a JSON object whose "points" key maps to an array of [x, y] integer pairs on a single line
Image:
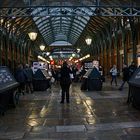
{"points": [[66, 28], [59, 20]]}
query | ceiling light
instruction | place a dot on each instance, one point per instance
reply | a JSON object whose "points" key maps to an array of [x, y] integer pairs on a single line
{"points": [[32, 35], [88, 40], [73, 54], [47, 53], [78, 50], [42, 47]]}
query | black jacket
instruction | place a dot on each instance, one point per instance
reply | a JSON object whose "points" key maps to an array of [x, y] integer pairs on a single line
{"points": [[125, 74], [65, 75]]}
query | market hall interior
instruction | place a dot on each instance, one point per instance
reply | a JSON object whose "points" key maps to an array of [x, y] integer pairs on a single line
{"points": [[89, 33]]}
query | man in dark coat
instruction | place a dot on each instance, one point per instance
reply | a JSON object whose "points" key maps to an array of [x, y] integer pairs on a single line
{"points": [[126, 76], [29, 73], [21, 77], [132, 69], [65, 82]]}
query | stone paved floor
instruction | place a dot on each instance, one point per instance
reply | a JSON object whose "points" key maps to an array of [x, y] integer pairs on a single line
{"points": [[91, 115]]}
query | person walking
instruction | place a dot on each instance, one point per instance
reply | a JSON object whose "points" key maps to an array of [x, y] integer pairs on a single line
{"points": [[65, 82], [125, 77], [21, 77], [29, 84], [114, 72], [132, 69]]}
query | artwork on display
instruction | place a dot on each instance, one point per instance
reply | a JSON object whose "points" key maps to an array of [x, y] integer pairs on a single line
{"points": [[5, 77], [39, 65], [88, 65]]}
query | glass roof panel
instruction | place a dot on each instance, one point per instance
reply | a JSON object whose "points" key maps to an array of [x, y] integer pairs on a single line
{"points": [[61, 27]]}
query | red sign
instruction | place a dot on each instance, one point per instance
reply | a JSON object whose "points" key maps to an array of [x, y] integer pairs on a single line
{"points": [[52, 62]]}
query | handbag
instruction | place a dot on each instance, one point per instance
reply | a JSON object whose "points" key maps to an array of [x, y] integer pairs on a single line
{"points": [[71, 76]]}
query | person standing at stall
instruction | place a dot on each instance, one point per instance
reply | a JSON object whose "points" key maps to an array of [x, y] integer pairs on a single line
{"points": [[132, 69], [29, 84], [114, 72], [21, 77], [125, 75], [65, 82]]}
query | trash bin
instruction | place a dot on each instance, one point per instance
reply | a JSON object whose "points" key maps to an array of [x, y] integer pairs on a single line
{"points": [[134, 89], [92, 80], [41, 80], [8, 89]]}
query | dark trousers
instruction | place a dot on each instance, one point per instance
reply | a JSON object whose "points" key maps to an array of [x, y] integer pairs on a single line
{"points": [[29, 87], [21, 88], [121, 87], [65, 92], [114, 78]]}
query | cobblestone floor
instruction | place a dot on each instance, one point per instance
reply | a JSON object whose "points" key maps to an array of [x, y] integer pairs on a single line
{"points": [[91, 115]]}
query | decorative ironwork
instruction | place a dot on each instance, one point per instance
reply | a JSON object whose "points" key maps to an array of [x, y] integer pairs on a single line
{"points": [[41, 11]]}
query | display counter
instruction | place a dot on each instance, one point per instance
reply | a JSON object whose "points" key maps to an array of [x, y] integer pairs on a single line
{"points": [[41, 80], [8, 88], [134, 89], [92, 80]]}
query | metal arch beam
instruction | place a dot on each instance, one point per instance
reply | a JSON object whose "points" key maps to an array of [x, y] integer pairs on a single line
{"points": [[58, 20], [54, 29], [48, 39], [13, 22], [76, 33], [58, 26], [71, 25], [70, 11], [45, 27], [64, 20], [97, 23], [56, 23], [62, 10], [51, 28], [73, 40], [26, 23], [20, 21], [48, 32], [66, 27], [91, 25]]}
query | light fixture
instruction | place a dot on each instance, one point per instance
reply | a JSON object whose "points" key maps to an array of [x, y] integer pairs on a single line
{"points": [[1, 21], [73, 55], [78, 50], [88, 40], [43, 59], [32, 35], [85, 57], [42, 47], [47, 53]]}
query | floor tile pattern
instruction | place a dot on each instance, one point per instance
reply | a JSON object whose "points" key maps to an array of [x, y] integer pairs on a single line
{"points": [[91, 115]]}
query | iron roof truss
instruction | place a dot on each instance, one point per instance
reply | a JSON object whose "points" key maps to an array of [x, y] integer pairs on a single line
{"points": [[69, 11]]}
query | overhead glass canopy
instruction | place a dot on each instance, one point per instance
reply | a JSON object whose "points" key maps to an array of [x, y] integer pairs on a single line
{"points": [[62, 20], [61, 28]]}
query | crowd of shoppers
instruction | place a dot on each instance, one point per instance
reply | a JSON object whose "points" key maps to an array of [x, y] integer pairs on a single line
{"points": [[127, 72], [68, 74], [24, 75]]}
